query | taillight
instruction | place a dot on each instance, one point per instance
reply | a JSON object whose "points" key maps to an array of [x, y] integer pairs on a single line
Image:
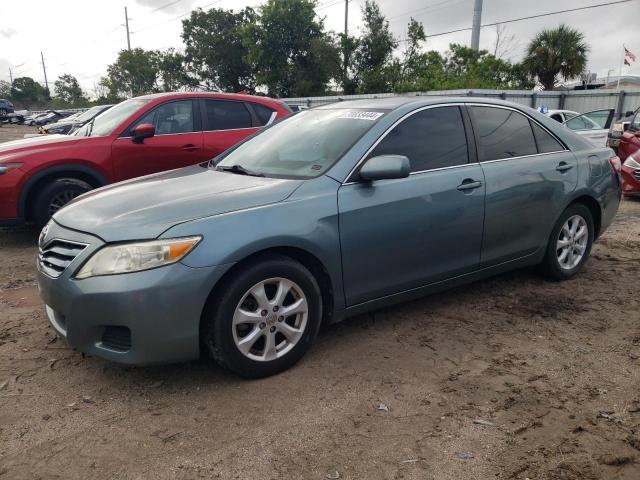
{"points": [[615, 164]]}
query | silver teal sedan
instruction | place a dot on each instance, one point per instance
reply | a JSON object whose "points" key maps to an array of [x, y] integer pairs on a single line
{"points": [[328, 213]]}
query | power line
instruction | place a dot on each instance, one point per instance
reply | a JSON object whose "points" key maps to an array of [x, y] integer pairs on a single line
{"points": [[527, 18], [433, 6], [176, 17]]}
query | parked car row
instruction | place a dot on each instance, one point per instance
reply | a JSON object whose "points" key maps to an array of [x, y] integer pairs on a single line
{"points": [[72, 123], [282, 221]]}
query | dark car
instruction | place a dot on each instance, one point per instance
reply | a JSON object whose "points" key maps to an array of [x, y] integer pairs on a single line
{"points": [[69, 125], [5, 107], [329, 213], [51, 116], [143, 135]]}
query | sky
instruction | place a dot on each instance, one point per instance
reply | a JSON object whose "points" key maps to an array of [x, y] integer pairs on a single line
{"points": [[81, 37]]}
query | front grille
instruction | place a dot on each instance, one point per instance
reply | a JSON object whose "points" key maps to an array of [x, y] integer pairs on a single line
{"points": [[636, 173], [117, 338], [56, 256]]}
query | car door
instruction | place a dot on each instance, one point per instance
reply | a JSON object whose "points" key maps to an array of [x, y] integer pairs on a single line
{"points": [[594, 125], [226, 122], [529, 176], [177, 141], [401, 234]]}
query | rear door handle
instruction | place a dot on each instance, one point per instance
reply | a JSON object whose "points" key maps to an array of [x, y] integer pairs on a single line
{"points": [[190, 147], [469, 184], [563, 167]]}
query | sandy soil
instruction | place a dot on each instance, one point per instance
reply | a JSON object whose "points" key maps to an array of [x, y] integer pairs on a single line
{"points": [[14, 132], [510, 378]]}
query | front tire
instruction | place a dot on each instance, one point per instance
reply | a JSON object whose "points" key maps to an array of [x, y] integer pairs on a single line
{"points": [[265, 318], [56, 195], [570, 243]]}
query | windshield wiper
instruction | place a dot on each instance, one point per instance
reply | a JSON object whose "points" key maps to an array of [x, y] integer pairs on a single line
{"points": [[90, 127], [239, 169]]}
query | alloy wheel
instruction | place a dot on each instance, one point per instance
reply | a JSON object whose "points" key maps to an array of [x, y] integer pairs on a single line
{"points": [[61, 199], [572, 242], [270, 319]]}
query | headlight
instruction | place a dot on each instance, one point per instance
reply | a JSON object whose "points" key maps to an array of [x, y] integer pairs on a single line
{"points": [[631, 162], [134, 257]]}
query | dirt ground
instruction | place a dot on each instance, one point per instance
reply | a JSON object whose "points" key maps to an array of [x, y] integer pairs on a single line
{"points": [[14, 132], [514, 377]]}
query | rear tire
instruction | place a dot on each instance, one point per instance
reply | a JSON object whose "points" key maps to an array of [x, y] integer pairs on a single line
{"points": [[56, 195], [570, 243], [253, 336]]}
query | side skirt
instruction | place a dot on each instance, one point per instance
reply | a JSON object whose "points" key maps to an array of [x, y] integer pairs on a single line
{"points": [[419, 292]]}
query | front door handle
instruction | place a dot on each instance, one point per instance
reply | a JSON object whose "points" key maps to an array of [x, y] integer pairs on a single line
{"points": [[563, 167], [190, 147], [469, 184]]}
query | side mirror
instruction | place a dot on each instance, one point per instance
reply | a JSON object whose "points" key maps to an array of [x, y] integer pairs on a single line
{"points": [[385, 167], [142, 131]]}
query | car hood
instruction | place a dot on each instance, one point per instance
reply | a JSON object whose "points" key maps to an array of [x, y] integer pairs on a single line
{"points": [[147, 206], [36, 144]]}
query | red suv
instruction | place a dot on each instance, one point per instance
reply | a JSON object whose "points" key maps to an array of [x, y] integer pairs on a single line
{"points": [[629, 153], [143, 135]]}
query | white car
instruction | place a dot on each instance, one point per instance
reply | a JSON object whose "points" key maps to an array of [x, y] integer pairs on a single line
{"points": [[591, 125]]}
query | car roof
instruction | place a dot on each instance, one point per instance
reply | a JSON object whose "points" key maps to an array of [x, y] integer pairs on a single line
{"points": [[218, 95], [392, 103]]}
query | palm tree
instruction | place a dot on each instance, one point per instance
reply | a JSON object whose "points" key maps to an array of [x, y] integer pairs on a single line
{"points": [[561, 51]]}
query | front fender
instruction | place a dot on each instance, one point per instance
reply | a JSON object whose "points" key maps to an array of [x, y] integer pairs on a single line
{"points": [[308, 221]]}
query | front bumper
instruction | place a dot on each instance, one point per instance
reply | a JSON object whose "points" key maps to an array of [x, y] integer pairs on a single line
{"points": [[140, 318]]}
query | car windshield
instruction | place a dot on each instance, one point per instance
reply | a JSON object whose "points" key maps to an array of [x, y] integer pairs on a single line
{"points": [[87, 115], [304, 145], [105, 123]]}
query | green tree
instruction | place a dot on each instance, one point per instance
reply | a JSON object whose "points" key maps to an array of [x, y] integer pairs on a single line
{"points": [[27, 92], [373, 58], [556, 53], [215, 50], [68, 91], [413, 51], [348, 46], [134, 73], [5, 89], [172, 73], [292, 53]]}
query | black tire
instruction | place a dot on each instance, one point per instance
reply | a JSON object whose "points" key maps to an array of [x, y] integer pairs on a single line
{"points": [[217, 330], [52, 197], [551, 265], [3, 112]]}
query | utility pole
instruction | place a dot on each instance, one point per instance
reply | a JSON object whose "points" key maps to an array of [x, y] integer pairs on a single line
{"points": [[477, 20], [346, 41], [11, 76], [44, 69], [126, 25]]}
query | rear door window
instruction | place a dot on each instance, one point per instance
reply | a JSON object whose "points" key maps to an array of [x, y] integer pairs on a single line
{"points": [[226, 115], [431, 138], [502, 133]]}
